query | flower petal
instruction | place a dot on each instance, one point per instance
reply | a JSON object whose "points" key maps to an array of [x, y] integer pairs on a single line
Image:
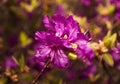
{"points": [[60, 59], [42, 51]]}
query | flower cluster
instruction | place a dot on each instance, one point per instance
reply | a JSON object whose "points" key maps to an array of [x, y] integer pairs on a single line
{"points": [[63, 34]]}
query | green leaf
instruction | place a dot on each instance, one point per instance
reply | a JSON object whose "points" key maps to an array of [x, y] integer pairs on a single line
{"points": [[3, 80], [108, 59], [61, 81], [102, 10], [35, 3], [59, 1], [111, 9], [113, 39], [107, 36], [27, 77], [109, 39], [22, 62], [24, 40], [106, 10], [30, 7], [27, 7]]}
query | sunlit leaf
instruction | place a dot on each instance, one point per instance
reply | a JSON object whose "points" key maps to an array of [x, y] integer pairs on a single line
{"points": [[27, 7], [109, 39], [111, 9], [102, 10], [59, 1], [108, 24], [22, 62], [106, 10], [107, 36], [108, 59], [24, 40], [113, 39], [30, 7], [35, 3]]}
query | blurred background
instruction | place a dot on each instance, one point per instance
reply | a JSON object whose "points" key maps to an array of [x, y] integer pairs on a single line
{"points": [[20, 19]]}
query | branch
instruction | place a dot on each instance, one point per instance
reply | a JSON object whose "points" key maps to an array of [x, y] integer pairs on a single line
{"points": [[41, 72]]}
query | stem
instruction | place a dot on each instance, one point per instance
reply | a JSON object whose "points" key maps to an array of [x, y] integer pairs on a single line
{"points": [[106, 70], [41, 72]]}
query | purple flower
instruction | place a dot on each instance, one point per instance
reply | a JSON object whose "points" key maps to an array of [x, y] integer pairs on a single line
{"points": [[86, 2], [115, 52], [70, 75], [13, 40], [117, 14], [62, 34], [90, 2], [10, 63], [85, 52], [117, 5], [60, 9], [33, 62], [69, 30], [88, 71]]}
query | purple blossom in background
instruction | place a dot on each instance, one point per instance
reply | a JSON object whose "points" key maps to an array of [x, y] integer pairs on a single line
{"points": [[62, 34], [86, 2], [116, 2], [60, 9], [13, 40], [10, 63], [118, 14], [115, 52], [70, 75], [88, 71], [90, 2], [117, 5], [34, 62]]}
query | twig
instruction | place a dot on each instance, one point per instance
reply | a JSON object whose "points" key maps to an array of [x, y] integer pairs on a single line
{"points": [[41, 72]]}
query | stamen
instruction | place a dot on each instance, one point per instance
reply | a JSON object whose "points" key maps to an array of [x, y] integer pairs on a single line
{"points": [[65, 36], [72, 56], [74, 46]]}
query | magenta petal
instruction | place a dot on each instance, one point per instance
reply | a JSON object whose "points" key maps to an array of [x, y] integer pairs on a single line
{"points": [[40, 35], [60, 59], [10, 63], [42, 52], [85, 52], [46, 21], [88, 71]]}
